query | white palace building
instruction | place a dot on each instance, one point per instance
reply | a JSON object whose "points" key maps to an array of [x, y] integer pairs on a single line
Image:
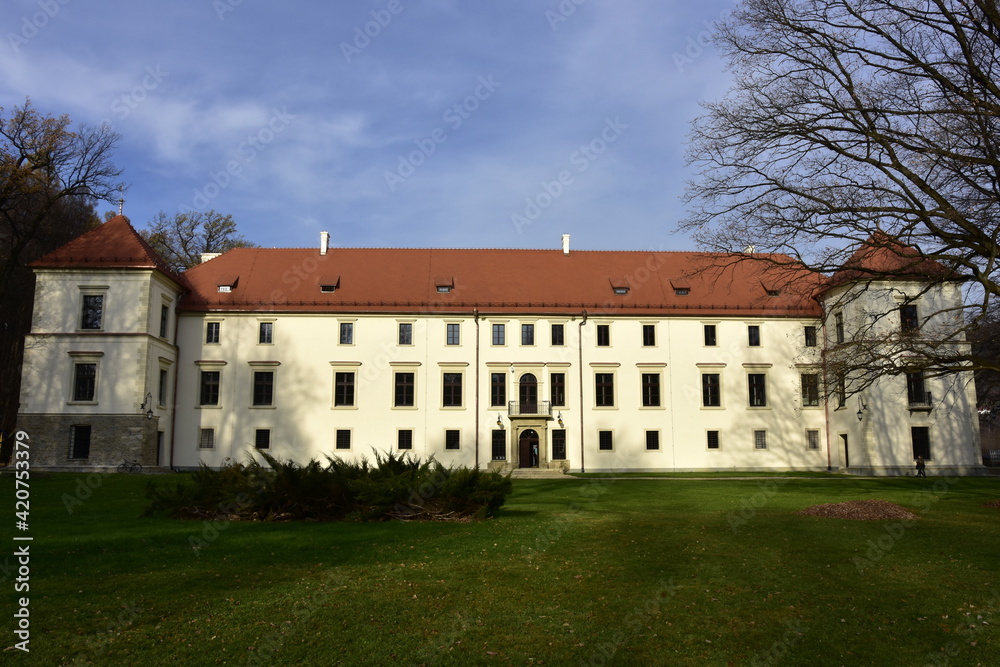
{"points": [[553, 359]]}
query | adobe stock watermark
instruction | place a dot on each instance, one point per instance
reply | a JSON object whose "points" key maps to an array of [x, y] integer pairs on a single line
{"points": [[364, 34], [580, 161], [247, 150], [455, 117], [697, 44], [223, 7], [125, 103], [32, 25], [562, 12]]}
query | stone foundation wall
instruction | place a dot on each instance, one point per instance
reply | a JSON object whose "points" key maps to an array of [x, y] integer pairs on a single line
{"points": [[113, 438]]}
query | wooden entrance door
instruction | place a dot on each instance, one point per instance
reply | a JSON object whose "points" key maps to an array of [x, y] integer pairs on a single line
{"points": [[847, 453], [527, 449]]}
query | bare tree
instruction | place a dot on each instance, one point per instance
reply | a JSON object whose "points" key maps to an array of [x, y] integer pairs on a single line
{"points": [[182, 239], [51, 175], [862, 121]]}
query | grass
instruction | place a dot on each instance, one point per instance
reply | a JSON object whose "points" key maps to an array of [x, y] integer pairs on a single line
{"points": [[590, 571]]}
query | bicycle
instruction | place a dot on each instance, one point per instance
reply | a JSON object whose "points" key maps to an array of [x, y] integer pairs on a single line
{"points": [[130, 466]]}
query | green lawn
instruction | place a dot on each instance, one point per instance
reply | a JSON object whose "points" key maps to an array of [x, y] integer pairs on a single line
{"points": [[587, 571]]}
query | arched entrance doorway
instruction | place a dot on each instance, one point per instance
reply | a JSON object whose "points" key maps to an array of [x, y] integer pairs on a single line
{"points": [[527, 449], [528, 394]]}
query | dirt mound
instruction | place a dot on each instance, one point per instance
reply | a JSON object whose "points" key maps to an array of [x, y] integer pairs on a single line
{"points": [[992, 503], [860, 510]]}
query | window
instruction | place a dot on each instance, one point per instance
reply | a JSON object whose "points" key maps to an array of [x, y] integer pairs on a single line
{"points": [[453, 334], [605, 441], [812, 439], [343, 438], [682, 291], [405, 333], [648, 335], [810, 389], [916, 391], [164, 320], [757, 389], [262, 438], [760, 439], [559, 444], [810, 336], [711, 339], [753, 335], [347, 333], [92, 315], [452, 396], [652, 440], [404, 439], [343, 392], [908, 321], [498, 389], [162, 387], [527, 334], [605, 389], [206, 438], [84, 382], [711, 391], [265, 333], [557, 389], [650, 390], [841, 391], [499, 334], [499, 449], [603, 335], [79, 441], [403, 390], [452, 439], [263, 388], [838, 327], [713, 439], [920, 436], [558, 335], [212, 330]]}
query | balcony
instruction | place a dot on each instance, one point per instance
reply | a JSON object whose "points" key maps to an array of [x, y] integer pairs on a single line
{"points": [[529, 409], [920, 402]]}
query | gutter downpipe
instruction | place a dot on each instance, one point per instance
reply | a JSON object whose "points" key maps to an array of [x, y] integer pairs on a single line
{"points": [[826, 399], [583, 320], [475, 315]]}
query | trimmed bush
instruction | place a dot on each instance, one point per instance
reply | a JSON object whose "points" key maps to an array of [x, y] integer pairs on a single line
{"points": [[396, 487]]}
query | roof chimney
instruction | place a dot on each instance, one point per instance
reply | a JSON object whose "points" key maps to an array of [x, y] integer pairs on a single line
{"points": [[565, 244], [324, 242]]}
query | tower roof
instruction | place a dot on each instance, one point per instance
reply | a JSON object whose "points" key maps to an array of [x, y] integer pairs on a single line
{"points": [[114, 244], [885, 257]]}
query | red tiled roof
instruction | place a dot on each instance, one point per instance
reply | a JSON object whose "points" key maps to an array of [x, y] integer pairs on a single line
{"points": [[883, 257], [497, 281], [115, 244]]}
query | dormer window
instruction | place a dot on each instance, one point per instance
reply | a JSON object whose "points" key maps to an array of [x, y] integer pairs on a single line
{"points": [[444, 284], [227, 283], [621, 290], [328, 284], [681, 287], [619, 286]]}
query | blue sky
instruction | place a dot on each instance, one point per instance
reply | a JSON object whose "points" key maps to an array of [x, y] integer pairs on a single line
{"points": [[405, 123]]}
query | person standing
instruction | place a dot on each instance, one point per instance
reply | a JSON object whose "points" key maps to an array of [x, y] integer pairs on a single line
{"points": [[920, 467]]}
